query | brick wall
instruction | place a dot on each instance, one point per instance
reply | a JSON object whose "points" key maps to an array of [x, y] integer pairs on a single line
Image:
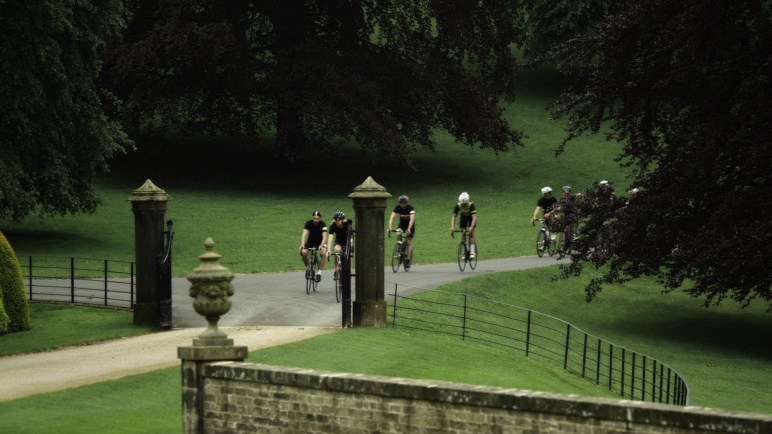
{"points": [[249, 398]]}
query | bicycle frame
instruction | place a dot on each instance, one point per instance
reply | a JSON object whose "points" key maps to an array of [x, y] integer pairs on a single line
{"points": [[464, 251], [399, 253], [311, 269]]}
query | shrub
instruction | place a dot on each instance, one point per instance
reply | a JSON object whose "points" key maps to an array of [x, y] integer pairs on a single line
{"points": [[12, 291], [3, 316]]}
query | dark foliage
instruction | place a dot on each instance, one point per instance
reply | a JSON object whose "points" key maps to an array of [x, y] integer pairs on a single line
{"points": [[321, 72], [685, 85], [55, 135]]}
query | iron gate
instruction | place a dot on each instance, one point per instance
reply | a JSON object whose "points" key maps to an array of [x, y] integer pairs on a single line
{"points": [[165, 280]]}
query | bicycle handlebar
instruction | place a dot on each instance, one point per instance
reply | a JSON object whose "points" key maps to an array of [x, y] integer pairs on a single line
{"points": [[457, 230]]}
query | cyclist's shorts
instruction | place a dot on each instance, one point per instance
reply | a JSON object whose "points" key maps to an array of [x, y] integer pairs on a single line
{"points": [[466, 221]]}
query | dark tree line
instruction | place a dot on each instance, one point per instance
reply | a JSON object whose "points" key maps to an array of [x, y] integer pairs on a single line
{"points": [[685, 86], [379, 73]]}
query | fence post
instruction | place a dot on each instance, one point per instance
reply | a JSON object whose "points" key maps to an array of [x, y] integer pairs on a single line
{"points": [[610, 363], [568, 337], [643, 379], [528, 335], [632, 377], [30, 277], [584, 355], [394, 310], [72, 280], [105, 282], [463, 326], [597, 363]]}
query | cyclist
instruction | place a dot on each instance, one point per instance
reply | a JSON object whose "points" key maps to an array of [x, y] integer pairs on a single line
{"points": [[339, 233], [568, 212], [314, 233], [406, 213], [468, 219], [546, 203]]}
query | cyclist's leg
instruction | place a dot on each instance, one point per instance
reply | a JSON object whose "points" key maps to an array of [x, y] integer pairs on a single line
{"points": [[472, 241], [410, 245], [304, 255], [322, 258]]}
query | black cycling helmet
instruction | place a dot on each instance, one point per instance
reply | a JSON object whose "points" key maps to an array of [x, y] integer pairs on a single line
{"points": [[403, 199], [339, 216]]}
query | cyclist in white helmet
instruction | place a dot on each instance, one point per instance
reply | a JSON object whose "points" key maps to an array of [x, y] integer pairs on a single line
{"points": [[468, 219], [406, 213], [546, 203]]}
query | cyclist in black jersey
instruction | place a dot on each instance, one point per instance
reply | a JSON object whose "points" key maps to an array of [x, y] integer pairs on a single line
{"points": [[339, 231], [468, 220], [314, 233], [406, 213]]}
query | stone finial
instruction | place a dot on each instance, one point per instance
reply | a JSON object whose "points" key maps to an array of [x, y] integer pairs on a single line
{"points": [[150, 193], [369, 189], [211, 287]]}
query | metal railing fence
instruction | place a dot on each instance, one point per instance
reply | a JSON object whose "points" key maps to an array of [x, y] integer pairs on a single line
{"points": [[80, 280], [634, 375]]}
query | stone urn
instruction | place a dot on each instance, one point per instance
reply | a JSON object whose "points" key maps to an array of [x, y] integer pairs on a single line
{"points": [[211, 288]]}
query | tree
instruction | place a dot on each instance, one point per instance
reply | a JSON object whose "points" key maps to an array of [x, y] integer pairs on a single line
{"points": [[321, 72], [546, 24], [13, 298], [55, 136], [685, 86]]}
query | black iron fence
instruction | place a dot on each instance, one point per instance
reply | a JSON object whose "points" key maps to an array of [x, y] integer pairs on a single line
{"points": [[80, 280], [634, 375]]}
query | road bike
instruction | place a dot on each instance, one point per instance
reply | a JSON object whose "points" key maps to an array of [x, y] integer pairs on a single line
{"points": [[465, 251], [312, 279], [399, 253], [337, 279], [564, 240], [546, 239]]}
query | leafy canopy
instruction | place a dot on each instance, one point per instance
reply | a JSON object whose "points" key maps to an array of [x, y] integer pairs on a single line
{"points": [[380, 73], [685, 85], [55, 136]]}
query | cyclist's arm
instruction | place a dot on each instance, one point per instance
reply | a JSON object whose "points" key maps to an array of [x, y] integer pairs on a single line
{"points": [[303, 238], [412, 222], [391, 219], [453, 222], [535, 213], [324, 237]]}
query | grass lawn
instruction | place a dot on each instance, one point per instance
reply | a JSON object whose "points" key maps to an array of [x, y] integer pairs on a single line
{"points": [[254, 209]]}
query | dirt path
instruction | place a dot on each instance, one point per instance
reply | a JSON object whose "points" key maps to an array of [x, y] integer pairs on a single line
{"points": [[29, 374]]}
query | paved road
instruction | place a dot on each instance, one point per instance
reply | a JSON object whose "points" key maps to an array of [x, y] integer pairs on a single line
{"points": [[280, 299]]}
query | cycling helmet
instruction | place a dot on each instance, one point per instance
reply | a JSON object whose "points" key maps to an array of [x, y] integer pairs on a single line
{"points": [[566, 188], [403, 199], [634, 191], [338, 215], [603, 183], [546, 190], [464, 197]]}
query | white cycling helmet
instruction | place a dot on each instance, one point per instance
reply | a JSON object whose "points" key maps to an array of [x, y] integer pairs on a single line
{"points": [[603, 183], [464, 197], [546, 190]]}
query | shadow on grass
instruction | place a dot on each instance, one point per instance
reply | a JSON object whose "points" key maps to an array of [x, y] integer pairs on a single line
{"points": [[215, 164]]}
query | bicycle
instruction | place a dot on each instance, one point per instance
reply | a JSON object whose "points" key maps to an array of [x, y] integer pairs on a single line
{"points": [[312, 280], [465, 252], [544, 241], [336, 277], [399, 254], [564, 240]]}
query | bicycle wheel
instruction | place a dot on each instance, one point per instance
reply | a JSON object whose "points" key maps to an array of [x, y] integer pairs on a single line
{"points": [[552, 245], [462, 258], [396, 258], [314, 270], [540, 238], [473, 261], [309, 278], [338, 286], [560, 241]]}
